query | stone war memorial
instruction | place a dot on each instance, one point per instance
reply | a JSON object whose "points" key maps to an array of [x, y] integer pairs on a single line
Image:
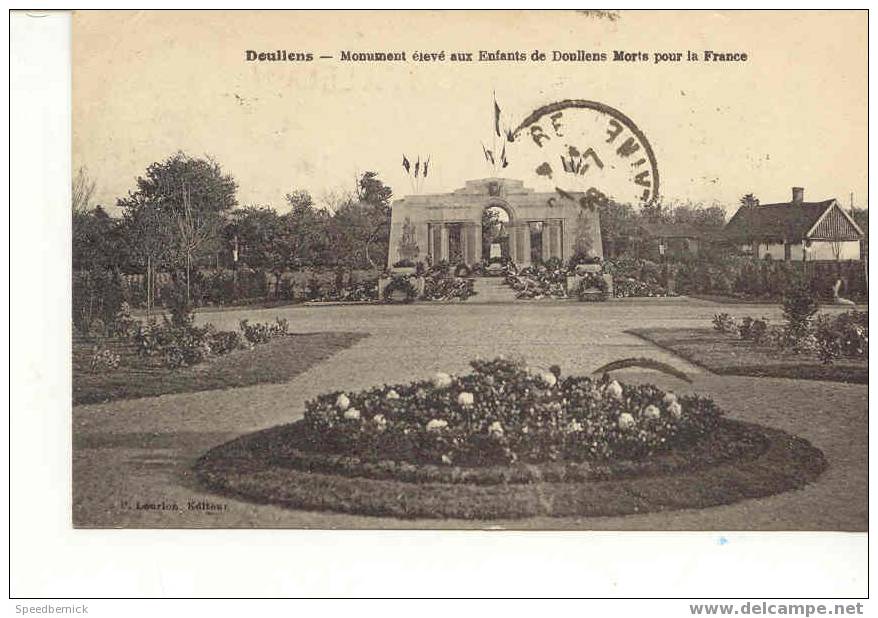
{"points": [[527, 226]]}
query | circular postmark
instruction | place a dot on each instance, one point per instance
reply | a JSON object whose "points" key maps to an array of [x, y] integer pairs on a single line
{"points": [[592, 148]]}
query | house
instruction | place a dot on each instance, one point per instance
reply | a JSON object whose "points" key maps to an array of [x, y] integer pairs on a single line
{"points": [[796, 230]]}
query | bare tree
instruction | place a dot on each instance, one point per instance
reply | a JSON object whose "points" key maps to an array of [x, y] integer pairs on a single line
{"points": [[195, 227], [83, 190]]}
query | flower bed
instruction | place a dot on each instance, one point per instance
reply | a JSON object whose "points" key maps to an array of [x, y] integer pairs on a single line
{"points": [[505, 441], [535, 282], [181, 343], [503, 413], [447, 288]]}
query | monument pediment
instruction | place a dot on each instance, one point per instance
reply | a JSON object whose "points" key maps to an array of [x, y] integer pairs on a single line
{"points": [[493, 187]]}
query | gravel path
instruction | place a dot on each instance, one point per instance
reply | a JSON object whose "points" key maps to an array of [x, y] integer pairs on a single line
{"points": [[140, 451]]}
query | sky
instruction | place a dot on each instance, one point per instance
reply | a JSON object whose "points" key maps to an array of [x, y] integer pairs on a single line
{"points": [[149, 83]]}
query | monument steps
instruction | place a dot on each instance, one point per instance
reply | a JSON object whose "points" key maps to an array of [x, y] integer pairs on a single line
{"points": [[492, 290]]}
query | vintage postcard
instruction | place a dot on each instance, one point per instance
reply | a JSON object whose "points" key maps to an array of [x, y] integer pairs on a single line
{"points": [[528, 270]]}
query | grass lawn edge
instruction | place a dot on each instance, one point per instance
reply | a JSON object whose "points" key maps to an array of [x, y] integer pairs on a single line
{"points": [[791, 370], [787, 463]]}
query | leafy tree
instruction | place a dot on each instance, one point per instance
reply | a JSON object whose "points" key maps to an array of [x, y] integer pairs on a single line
{"points": [[749, 200], [148, 236], [619, 226], [189, 197], [262, 238], [375, 198], [306, 229]]}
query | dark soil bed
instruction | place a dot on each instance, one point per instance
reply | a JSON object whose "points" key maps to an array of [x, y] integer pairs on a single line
{"points": [[726, 355], [737, 462], [279, 360]]}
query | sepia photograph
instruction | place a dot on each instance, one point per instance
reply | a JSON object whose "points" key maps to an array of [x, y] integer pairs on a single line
{"points": [[404, 284]]}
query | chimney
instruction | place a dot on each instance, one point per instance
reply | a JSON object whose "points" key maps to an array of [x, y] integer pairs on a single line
{"points": [[798, 195]]}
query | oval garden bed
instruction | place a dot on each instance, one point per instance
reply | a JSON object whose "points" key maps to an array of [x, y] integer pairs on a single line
{"points": [[508, 442]]}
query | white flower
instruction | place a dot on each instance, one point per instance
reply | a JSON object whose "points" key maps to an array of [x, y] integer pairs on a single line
{"points": [[495, 429], [676, 410], [651, 412], [441, 380], [614, 389], [352, 414], [550, 379], [379, 420], [669, 398], [392, 394], [574, 426], [626, 421], [437, 424], [465, 399], [342, 402]]}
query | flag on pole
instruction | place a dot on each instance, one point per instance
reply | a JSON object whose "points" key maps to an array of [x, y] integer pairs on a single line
{"points": [[489, 156], [417, 166], [497, 118], [425, 167], [406, 164]]}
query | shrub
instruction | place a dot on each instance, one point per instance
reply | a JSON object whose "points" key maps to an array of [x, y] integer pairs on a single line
{"points": [[758, 330], [844, 335], [263, 332], [174, 299], [313, 288], [96, 299], [799, 306], [103, 359], [225, 341], [182, 346], [724, 323], [404, 264]]}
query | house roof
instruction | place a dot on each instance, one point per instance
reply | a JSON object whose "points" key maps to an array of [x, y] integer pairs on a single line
{"points": [[789, 221]]}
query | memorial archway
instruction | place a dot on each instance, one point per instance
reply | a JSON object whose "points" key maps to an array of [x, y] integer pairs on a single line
{"points": [[449, 227], [495, 232]]}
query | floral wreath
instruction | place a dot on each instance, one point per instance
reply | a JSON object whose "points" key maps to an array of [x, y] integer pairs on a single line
{"points": [[403, 284], [592, 281]]}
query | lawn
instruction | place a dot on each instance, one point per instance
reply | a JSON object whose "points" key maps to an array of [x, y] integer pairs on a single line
{"points": [[726, 355], [279, 360]]}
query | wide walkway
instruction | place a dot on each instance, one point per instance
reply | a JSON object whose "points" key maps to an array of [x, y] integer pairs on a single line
{"points": [[142, 450]]}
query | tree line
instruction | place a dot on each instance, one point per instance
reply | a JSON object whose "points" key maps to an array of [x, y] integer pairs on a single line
{"points": [[184, 215]]}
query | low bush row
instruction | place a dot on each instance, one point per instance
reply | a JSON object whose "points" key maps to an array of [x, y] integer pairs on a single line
{"points": [[830, 337]]}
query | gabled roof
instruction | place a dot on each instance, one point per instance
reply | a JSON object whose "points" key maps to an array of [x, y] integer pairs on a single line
{"points": [[787, 221]]}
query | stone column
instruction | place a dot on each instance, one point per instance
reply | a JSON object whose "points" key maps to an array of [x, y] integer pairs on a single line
{"points": [[552, 239], [435, 241], [443, 244], [471, 236], [522, 243], [512, 230]]}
